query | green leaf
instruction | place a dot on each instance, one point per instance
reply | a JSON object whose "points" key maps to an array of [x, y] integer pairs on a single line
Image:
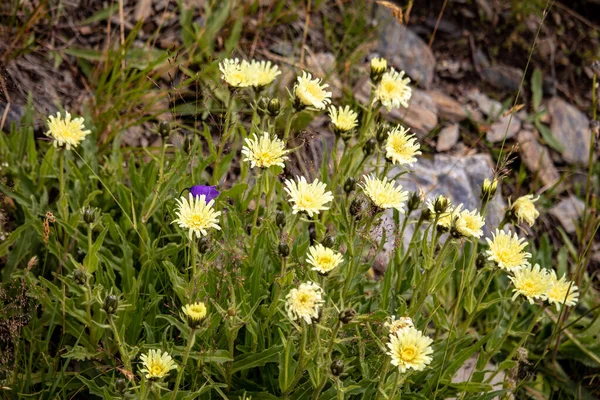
{"points": [[548, 137], [252, 360], [536, 88], [90, 262], [217, 356], [78, 353]]}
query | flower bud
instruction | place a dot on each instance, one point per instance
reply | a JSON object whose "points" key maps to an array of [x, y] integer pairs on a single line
{"points": [[120, 385], [488, 188], [383, 131], [280, 219], [284, 250], [369, 147], [414, 201], [164, 129], [378, 67], [426, 214], [80, 276], [90, 215], [347, 315], [262, 106], [312, 233], [203, 245], [356, 207], [328, 241], [349, 185], [481, 260], [298, 104], [440, 204], [274, 107], [337, 367], [111, 304]]}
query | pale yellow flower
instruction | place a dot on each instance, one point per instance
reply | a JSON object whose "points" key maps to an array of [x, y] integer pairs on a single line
{"points": [[393, 90], [262, 73], [265, 151], [323, 259], [383, 193], [488, 188], [237, 74], [308, 197], [409, 349], [447, 217], [378, 66], [194, 312], [344, 119], [401, 147], [469, 223], [531, 282], [557, 294], [66, 131], [524, 209], [304, 302], [506, 250], [310, 92], [397, 324], [156, 364], [196, 215]]}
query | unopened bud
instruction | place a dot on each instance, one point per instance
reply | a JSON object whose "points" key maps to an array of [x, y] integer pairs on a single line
{"points": [[349, 185], [378, 68], [164, 129], [90, 215], [111, 304], [328, 241], [383, 131], [80, 276], [274, 107], [369, 147], [347, 315], [440, 204], [280, 219], [356, 207], [203, 245], [337, 367], [120, 385], [481, 260], [312, 233], [488, 188], [414, 201], [262, 106], [284, 250]]}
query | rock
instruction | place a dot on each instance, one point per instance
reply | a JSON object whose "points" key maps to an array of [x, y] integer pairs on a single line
{"points": [[14, 115], [567, 212], [502, 77], [447, 138], [322, 65], [404, 49], [505, 127], [537, 158], [489, 107], [447, 107], [571, 128]]}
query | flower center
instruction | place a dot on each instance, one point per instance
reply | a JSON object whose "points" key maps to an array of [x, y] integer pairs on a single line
{"points": [[156, 370], [408, 353]]}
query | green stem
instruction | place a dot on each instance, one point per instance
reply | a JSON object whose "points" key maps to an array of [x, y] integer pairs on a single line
{"points": [[513, 318], [382, 376], [400, 265], [288, 127], [396, 385], [122, 350], [301, 362], [275, 301], [189, 346], [480, 299], [161, 172], [193, 250]]}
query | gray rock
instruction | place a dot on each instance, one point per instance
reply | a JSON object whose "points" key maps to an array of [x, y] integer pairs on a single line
{"points": [[571, 128], [567, 212], [537, 158], [502, 77], [404, 49], [489, 107], [447, 138], [447, 107], [505, 127]]}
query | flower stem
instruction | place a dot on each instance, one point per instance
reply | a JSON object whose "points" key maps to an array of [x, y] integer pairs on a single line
{"points": [[190, 344], [382, 376], [301, 362], [288, 127], [120, 345], [193, 250]]}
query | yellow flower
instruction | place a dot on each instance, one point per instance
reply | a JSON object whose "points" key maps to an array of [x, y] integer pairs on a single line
{"points": [[397, 324], [343, 119], [383, 193], [310, 92], [409, 349], [66, 131], [323, 259], [532, 282], [264, 152], [196, 215], [262, 73], [401, 148], [308, 197], [488, 188], [557, 294], [236, 74], [524, 209], [506, 250], [446, 218], [304, 302], [156, 364], [194, 313], [469, 223], [378, 66], [393, 90]]}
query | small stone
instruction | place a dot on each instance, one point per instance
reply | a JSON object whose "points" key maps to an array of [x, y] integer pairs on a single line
{"points": [[567, 212], [571, 128], [489, 107], [421, 114], [322, 65], [503, 77], [404, 49], [447, 107], [536, 158], [447, 138], [505, 127]]}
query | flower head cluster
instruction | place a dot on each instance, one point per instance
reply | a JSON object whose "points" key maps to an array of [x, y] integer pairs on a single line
{"points": [[410, 349], [378, 67], [397, 324], [343, 119], [156, 364], [308, 197], [531, 282], [323, 259], [262, 73], [401, 147], [197, 215], [383, 193], [562, 291], [265, 151], [393, 90], [506, 250], [194, 313], [244, 74], [469, 223], [304, 302], [66, 131], [524, 209], [310, 92]]}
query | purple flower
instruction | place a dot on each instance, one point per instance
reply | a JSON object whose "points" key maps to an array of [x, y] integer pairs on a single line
{"points": [[210, 192]]}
